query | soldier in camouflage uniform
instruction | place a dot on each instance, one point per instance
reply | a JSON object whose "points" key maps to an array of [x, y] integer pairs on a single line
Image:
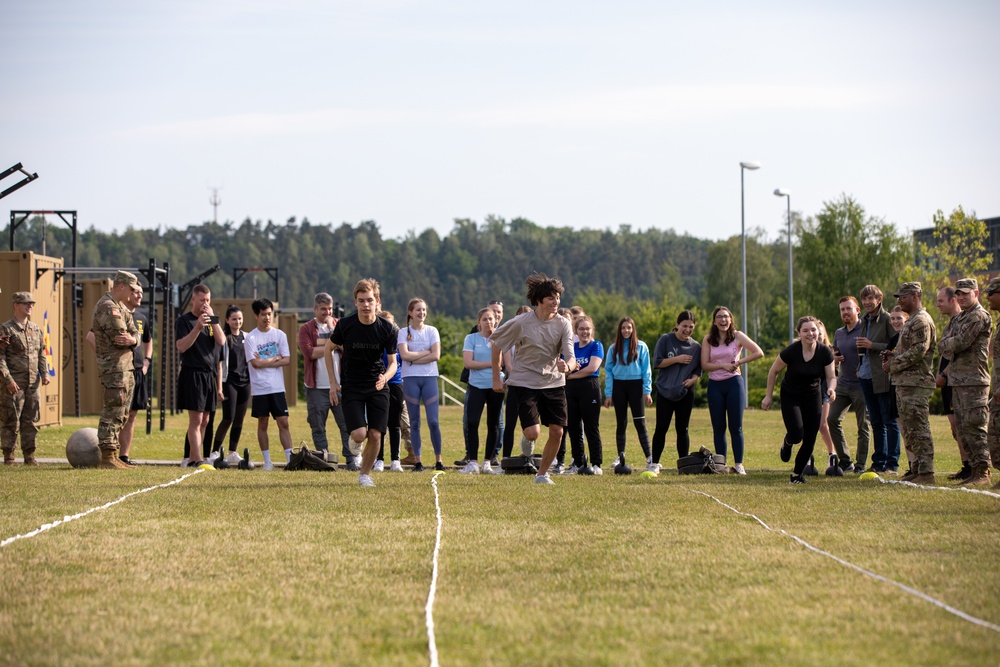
{"points": [[912, 368], [22, 369], [993, 430], [964, 344], [115, 334]]}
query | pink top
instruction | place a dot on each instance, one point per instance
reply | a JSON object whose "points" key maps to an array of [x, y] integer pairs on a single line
{"points": [[724, 354]]}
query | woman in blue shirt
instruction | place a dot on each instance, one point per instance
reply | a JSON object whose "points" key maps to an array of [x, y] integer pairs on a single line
{"points": [[477, 354], [628, 385], [583, 399]]}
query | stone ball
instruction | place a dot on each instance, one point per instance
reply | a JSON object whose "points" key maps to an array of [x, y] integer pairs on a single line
{"points": [[82, 450]]}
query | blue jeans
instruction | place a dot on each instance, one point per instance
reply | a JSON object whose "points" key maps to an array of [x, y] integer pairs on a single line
{"points": [[885, 430], [725, 403]]}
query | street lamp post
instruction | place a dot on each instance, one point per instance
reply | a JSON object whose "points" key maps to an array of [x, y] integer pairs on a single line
{"points": [[787, 194], [743, 233]]}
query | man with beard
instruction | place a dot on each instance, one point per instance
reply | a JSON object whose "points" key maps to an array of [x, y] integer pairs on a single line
{"points": [[849, 394]]}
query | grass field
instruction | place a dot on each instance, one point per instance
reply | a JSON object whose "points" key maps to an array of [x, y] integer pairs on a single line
{"points": [[255, 568]]}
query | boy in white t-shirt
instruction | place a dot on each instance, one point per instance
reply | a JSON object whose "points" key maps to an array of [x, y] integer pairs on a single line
{"points": [[267, 352]]}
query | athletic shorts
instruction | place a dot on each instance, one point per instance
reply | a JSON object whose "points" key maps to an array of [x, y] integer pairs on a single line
{"points": [[196, 390], [366, 408], [140, 395], [946, 400], [545, 405], [269, 405]]}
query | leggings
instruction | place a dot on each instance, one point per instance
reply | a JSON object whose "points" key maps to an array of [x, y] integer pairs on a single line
{"points": [[801, 413], [665, 410], [510, 419], [475, 400], [395, 414], [625, 395], [234, 411], [417, 389], [583, 407], [725, 403]]}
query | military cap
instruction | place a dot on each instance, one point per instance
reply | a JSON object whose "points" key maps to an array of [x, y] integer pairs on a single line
{"points": [[909, 288], [993, 285], [126, 278], [23, 297], [966, 285]]}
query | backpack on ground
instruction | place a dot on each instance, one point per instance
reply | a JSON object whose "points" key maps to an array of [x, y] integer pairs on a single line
{"points": [[702, 462]]}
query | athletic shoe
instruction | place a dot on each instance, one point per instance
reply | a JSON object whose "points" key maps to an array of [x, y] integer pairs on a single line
{"points": [[354, 464], [439, 466], [194, 464], [491, 469], [233, 459], [614, 464], [395, 466], [797, 479], [495, 462], [656, 468], [543, 479], [211, 457], [785, 452], [471, 468], [461, 463], [184, 462], [889, 472], [572, 470], [557, 468], [596, 470], [268, 465], [846, 466], [738, 469], [379, 466], [365, 480], [418, 467]]}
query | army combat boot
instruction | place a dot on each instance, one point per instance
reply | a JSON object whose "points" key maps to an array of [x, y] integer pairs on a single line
{"points": [[980, 476], [29, 458], [109, 460], [8, 457]]}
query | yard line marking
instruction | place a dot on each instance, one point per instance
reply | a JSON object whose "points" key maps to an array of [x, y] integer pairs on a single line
{"points": [[912, 591], [940, 488], [67, 519], [429, 609]]}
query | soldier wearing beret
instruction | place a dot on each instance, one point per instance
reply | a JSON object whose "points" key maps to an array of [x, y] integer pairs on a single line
{"points": [[22, 370], [115, 336], [964, 343], [911, 365]]}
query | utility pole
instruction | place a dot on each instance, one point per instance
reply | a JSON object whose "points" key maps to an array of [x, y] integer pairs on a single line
{"points": [[215, 200]]}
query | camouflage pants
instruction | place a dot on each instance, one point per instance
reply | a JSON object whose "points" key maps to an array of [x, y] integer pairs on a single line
{"points": [[993, 434], [971, 414], [117, 401], [914, 421], [18, 414]]}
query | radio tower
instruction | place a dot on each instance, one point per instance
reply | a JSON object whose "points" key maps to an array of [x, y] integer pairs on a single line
{"points": [[215, 200]]}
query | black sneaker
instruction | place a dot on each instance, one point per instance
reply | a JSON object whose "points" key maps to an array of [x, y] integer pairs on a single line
{"points": [[461, 463], [796, 479], [418, 467], [786, 452], [495, 462], [354, 464], [439, 466]]}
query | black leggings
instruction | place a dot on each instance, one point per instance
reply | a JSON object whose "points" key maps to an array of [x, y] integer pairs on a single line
{"points": [[801, 413], [510, 421], [234, 411], [583, 407], [476, 399], [665, 410], [396, 405], [626, 395]]}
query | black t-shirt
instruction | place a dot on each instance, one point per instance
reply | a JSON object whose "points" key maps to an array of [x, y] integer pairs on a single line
{"points": [[203, 355], [145, 333], [238, 375], [363, 346], [801, 375]]}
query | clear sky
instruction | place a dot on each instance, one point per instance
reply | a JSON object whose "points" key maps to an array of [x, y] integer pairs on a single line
{"points": [[575, 113]]}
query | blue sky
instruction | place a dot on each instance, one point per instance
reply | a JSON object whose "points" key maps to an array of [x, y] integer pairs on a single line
{"points": [[580, 114]]}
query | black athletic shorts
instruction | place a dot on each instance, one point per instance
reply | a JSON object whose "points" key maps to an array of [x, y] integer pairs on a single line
{"points": [[269, 405], [366, 408], [196, 390], [946, 400], [545, 405], [140, 395]]}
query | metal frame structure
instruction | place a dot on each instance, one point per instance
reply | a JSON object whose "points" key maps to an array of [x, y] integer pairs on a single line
{"points": [[239, 272], [20, 184]]}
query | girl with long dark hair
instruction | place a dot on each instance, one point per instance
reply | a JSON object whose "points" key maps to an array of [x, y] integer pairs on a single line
{"points": [[628, 385], [235, 385], [583, 399], [678, 358]]}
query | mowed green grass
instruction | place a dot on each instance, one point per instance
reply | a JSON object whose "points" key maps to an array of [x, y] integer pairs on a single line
{"points": [[255, 568]]}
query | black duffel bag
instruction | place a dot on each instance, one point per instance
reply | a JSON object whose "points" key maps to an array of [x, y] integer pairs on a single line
{"points": [[702, 462]]}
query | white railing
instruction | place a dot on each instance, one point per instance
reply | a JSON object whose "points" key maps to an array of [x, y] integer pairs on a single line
{"points": [[445, 383]]}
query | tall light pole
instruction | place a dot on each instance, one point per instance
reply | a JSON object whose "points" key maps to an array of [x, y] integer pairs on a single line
{"points": [[743, 233], [787, 194]]}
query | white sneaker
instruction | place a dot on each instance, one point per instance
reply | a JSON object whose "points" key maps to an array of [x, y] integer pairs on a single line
{"points": [[233, 459], [527, 446], [268, 465], [597, 470], [654, 467], [572, 470], [488, 469], [365, 480], [543, 479], [185, 461], [213, 457], [395, 466], [471, 468], [379, 466], [738, 469]]}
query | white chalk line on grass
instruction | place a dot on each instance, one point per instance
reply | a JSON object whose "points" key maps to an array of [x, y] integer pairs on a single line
{"points": [[66, 519], [912, 591], [981, 492], [429, 609]]}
